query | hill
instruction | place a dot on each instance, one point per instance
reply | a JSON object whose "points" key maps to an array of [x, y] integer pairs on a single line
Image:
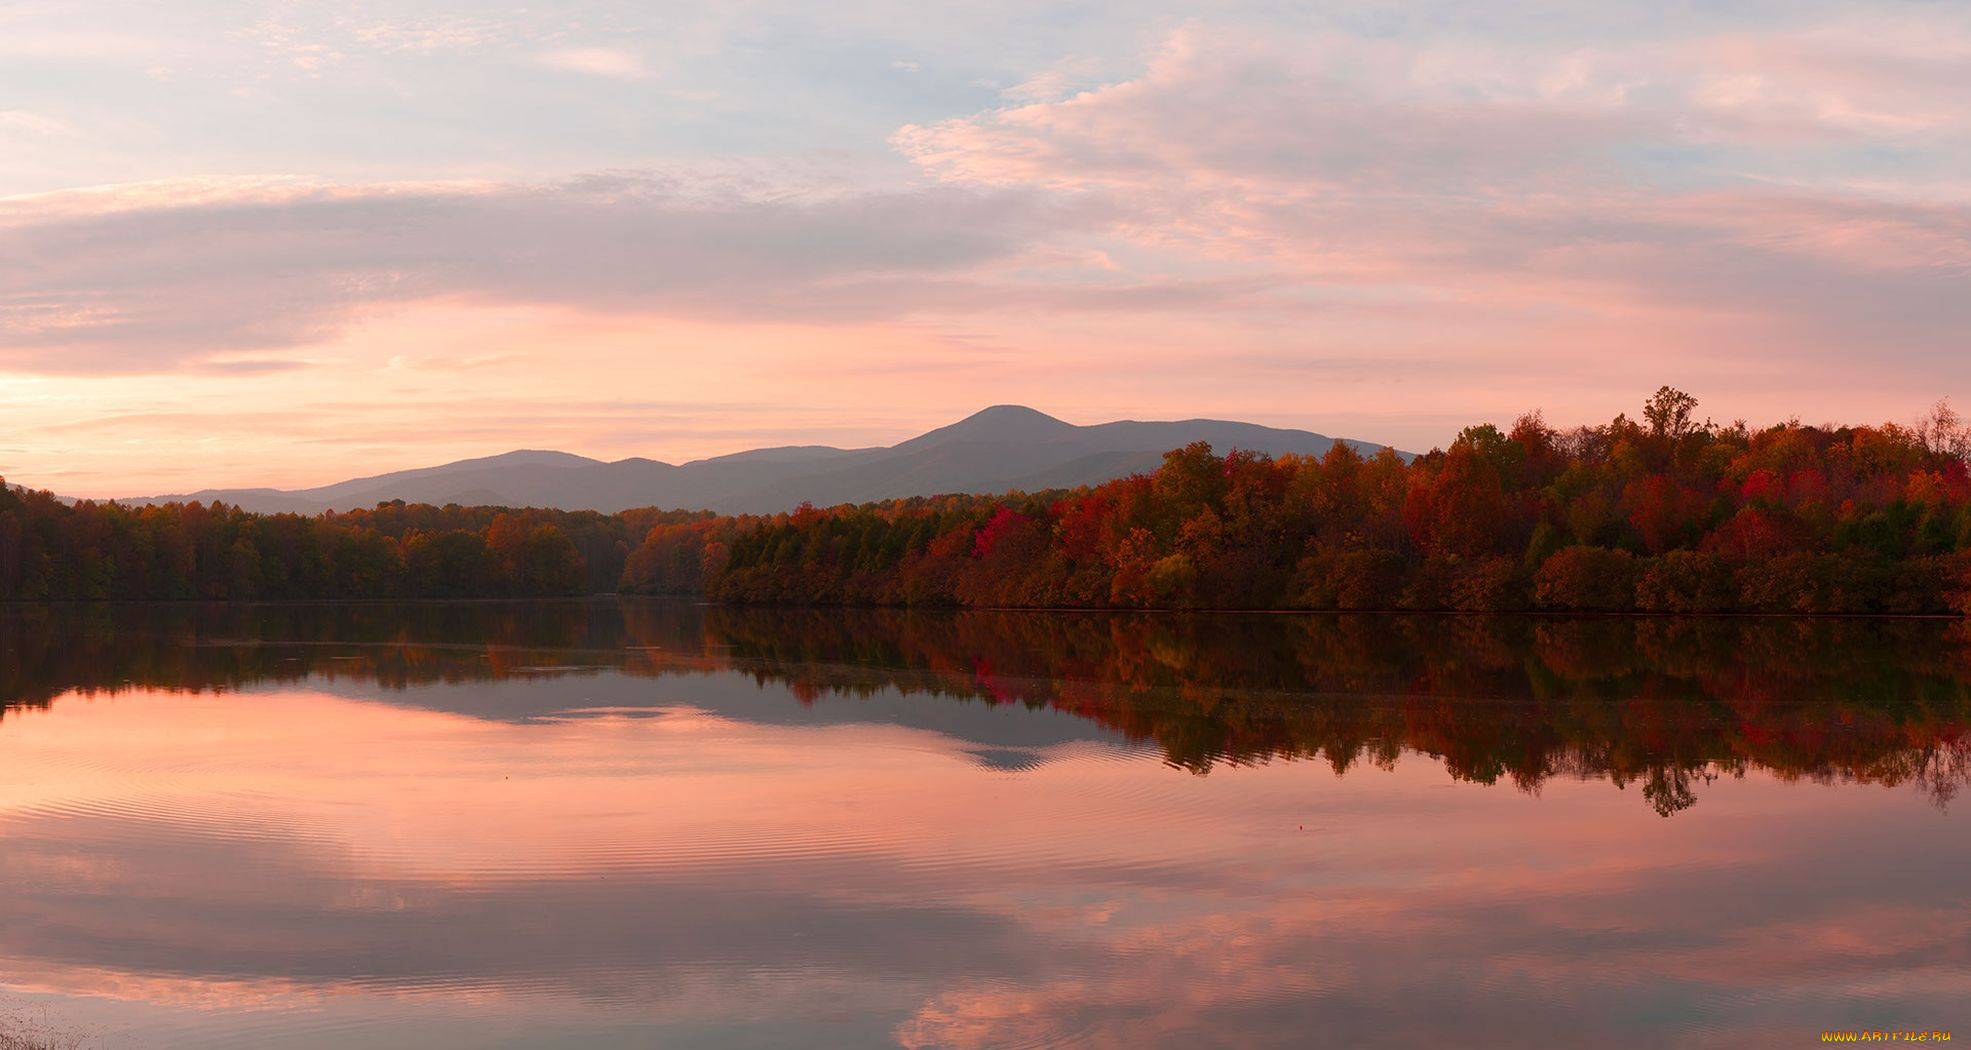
{"points": [[1002, 448]]}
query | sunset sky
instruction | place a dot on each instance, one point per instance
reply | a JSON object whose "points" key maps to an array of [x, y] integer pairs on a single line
{"points": [[284, 244]]}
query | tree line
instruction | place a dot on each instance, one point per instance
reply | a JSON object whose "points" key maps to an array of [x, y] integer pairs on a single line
{"points": [[1660, 513], [54, 550]]}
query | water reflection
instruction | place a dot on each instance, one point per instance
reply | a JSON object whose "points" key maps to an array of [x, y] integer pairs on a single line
{"points": [[1669, 704], [629, 824]]}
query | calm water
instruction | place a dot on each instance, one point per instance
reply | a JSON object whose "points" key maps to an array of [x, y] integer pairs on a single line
{"points": [[630, 824]]}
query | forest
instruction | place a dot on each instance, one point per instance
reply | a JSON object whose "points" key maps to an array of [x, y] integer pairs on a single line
{"points": [[1661, 513], [54, 550]]}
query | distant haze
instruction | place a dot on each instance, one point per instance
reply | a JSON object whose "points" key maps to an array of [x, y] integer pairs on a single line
{"points": [[1004, 448]]}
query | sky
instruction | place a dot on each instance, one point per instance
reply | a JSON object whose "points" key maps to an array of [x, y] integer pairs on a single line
{"points": [[286, 244]]}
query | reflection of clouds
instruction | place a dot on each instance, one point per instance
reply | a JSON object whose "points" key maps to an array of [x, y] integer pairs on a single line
{"points": [[1417, 969], [299, 848], [295, 914]]}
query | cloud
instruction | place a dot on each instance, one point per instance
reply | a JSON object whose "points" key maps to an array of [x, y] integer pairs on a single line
{"points": [[1056, 81], [251, 366], [155, 276], [596, 61], [1483, 118], [27, 122], [431, 35], [1531, 182], [301, 47]]}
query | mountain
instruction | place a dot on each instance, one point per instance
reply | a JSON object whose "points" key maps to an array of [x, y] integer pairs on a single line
{"points": [[1003, 448]]}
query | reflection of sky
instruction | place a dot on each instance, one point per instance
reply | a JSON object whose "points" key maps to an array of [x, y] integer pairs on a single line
{"points": [[202, 869]]}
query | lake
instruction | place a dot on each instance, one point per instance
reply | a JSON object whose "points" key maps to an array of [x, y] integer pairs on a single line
{"points": [[617, 823]]}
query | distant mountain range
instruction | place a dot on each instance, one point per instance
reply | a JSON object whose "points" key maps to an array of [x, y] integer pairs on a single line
{"points": [[1003, 448]]}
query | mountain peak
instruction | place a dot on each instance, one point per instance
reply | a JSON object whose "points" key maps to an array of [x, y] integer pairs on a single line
{"points": [[1010, 424], [543, 456], [1015, 414]]}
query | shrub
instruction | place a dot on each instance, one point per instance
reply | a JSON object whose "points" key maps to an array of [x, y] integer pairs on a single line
{"points": [[1684, 582], [1587, 579]]}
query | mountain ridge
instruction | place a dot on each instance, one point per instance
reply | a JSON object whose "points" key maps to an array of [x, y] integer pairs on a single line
{"points": [[996, 449]]}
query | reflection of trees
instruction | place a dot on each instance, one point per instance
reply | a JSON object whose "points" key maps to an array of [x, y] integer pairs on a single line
{"points": [[52, 649], [1668, 704], [1667, 789]]}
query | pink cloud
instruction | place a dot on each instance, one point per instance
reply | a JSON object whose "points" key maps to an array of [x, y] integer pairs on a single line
{"points": [[151, 276], [1509, 181]]}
